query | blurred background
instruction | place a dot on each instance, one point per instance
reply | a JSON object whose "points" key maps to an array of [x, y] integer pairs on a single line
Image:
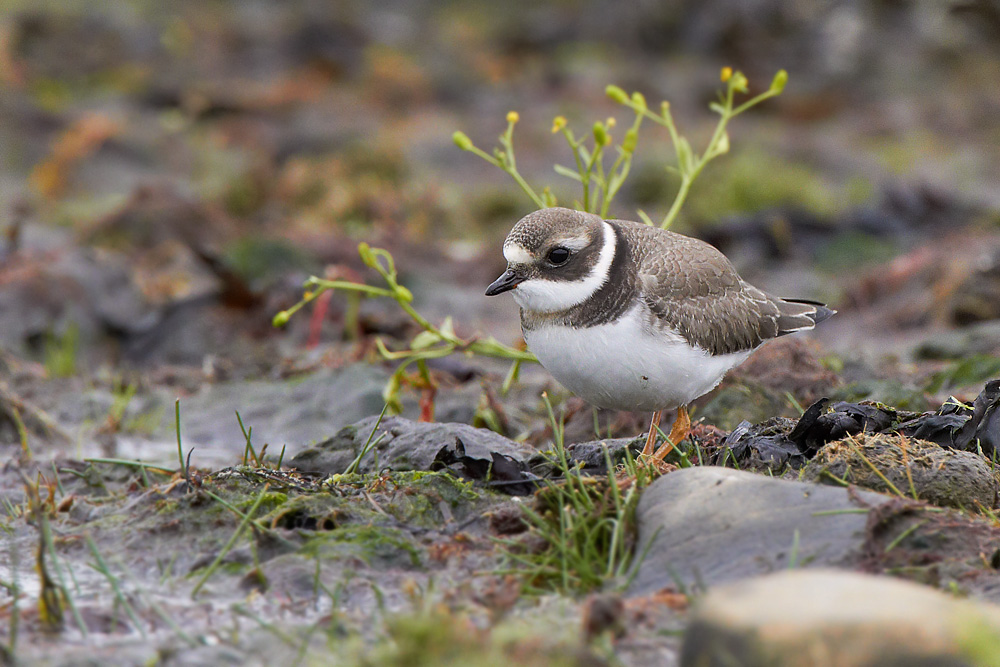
{"points": [[170, 173]]}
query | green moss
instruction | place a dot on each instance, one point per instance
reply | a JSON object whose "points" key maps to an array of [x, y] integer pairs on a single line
{"points": [[415, 497], [167, 506], [453, 490], [317, 511], [440, 638], [270, 502]]}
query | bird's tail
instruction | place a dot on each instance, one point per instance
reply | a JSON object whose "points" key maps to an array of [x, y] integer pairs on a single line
{"points": [[800, 315]]}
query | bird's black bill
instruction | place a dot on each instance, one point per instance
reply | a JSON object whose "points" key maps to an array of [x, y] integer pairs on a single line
{"points": [[508, 281]]}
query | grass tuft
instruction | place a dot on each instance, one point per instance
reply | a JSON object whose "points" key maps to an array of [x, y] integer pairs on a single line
{"points": [[582, 528]]}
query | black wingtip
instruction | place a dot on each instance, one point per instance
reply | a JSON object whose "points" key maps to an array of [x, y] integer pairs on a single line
{"points": [[823, 313], [804, 315]]}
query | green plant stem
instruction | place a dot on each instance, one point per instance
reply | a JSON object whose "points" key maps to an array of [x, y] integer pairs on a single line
{"points": [[120, 599], [232, 541], [903, 535], [574, 146], [180, 447], [510, 165]]}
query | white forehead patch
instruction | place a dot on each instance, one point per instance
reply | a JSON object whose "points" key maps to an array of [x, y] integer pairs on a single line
{"points": [[551, 296], [515, 254]]}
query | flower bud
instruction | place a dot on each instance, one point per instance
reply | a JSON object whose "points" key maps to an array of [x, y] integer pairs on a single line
{"points": [[740, 82], [630, 141], [601, 136], [723, 145], [558, 123], [281, 319], [367, 256], [638, 100], [513, 117], [779, 81], [616, 94], [726, 74], [462, 141]]}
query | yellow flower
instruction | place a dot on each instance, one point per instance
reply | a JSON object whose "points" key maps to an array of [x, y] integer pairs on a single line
{"points": [[558, 123], [610, 122], [727, 73], [513, 117]]}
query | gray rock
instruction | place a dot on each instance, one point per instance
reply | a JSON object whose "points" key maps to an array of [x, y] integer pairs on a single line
{"points": [[591, 454], [281, 412], [707, 525], [403, 444], [941, 476], [830, 617]]}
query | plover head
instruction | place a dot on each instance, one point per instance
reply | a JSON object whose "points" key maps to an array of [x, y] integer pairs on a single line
{"points": [[557, 258]]}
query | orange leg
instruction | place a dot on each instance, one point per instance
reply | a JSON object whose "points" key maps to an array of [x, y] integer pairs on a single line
{"points": [[651, 438], [679, 431]]}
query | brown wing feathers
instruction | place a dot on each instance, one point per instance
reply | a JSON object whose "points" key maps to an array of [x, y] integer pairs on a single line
{"points": [[699, 294]]}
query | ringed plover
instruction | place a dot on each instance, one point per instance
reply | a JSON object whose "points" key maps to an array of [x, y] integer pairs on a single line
{"points": [[633, 317]]}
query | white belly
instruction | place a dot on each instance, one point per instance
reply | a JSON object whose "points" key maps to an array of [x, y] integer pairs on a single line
{"points": [[624, 366]]}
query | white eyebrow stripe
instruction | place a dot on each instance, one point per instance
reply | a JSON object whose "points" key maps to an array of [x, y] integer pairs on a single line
{"points": [[575, 243], [515, 254]]}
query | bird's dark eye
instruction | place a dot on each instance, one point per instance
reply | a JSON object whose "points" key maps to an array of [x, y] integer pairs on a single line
{"points": [[558, 255]]}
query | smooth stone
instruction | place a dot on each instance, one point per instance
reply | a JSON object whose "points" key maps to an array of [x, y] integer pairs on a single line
{"points": [[830, 617], [703, 526], [292, 413], [404, 444]]}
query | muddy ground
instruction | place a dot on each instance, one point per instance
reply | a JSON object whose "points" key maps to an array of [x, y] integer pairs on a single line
{"points": [[171, 176]]}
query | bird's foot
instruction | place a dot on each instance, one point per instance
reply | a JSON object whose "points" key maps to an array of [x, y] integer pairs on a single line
{"points": [[680, 430]]}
